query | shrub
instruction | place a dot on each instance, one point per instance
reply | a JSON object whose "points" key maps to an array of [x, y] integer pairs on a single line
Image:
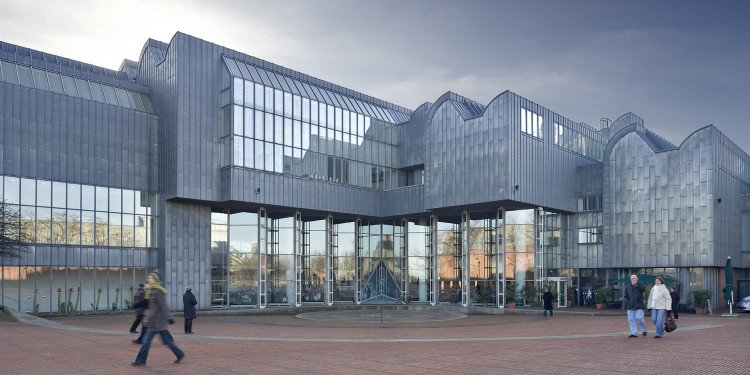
{"points": [[699, 297], [603, 294]]}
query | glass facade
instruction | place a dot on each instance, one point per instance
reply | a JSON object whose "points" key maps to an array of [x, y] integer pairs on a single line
{"points": [[23, 75], [278, 131], [259, 261], [88, 245]]}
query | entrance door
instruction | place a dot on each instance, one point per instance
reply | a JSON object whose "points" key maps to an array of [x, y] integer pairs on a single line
{"points": [[380, 260], [562, 288], [381, 286]]}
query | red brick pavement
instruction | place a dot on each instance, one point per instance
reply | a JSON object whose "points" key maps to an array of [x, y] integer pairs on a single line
{"points": [[478, 344]]}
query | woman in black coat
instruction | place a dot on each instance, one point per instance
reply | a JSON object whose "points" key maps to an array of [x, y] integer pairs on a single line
{"points": [[189, 301]]}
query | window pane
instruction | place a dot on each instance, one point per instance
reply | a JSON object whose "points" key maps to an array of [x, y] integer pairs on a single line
{"points": [[102, 196], [259, 102], [297, 107], [238, 88], [259, 131], [9, 72], [128, 230], [269, 98], [268, 127], [24, 76], [237, 157], [128, 201], [249, 125], [87, 197], [305, 109], [96, 91], [73, 227], [249, 102], [12, 190], [55, 83], [136, 99], [28, 192], [287, 131], [40, 78], [58, 194], [70, 85], [43, 224], [147, 103], [115, 229], [258, 160], [249, 153], [83, 88], [237, 120], [109, 94], [123, 98], [58, 226], [87, 227], [278, 125], [287, 105], [101, 229], [115, 200], [279, 102]]}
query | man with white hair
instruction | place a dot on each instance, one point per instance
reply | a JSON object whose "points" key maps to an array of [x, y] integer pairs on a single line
{"points": [[633, 301]]}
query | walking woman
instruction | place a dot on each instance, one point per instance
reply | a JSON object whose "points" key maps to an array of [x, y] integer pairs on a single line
{"points": [[659, 301], [155, 320]]}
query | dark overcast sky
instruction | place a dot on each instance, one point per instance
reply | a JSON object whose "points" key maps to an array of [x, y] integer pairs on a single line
{"points": [[680, 65]]}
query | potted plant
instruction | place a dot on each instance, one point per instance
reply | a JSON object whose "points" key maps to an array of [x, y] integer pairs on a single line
{"points": [[486, 295], [602, 296], [552, 289], [571, 296], [511, 293], [529, 292], [699, 299]]}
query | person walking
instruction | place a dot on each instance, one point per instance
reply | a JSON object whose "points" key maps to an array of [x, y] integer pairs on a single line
{"points": [[155, 320], [633, 301], [675, 302], [659, 301], [189, 302], [137, 298], [547, 298]]}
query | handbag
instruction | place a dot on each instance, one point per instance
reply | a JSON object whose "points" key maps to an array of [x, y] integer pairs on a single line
{"points": [[669, 324]]}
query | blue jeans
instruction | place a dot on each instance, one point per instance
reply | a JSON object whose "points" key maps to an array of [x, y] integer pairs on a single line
{"points": [[633, 316], [166, 338], [657, 316]]}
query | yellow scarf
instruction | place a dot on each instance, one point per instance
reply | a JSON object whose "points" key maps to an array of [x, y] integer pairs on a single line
{"points": [[154, 286]]}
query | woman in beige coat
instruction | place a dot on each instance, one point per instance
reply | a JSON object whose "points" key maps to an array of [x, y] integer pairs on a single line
{"points": [[659, 301]]}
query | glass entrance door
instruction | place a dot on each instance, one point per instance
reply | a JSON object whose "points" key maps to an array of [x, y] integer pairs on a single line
{"points": [[381, 264]]}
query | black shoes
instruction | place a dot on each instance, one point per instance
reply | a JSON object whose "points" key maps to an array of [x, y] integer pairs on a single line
{"points": [[136, 332], [657, 337], [633, 336], [644, 333], [179, 359], [137, 342], [137, 364]]}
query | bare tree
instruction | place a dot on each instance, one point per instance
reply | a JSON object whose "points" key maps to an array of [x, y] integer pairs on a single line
{"points": [[11, 245]]}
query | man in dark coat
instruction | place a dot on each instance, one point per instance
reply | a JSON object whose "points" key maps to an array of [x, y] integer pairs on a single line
{"points": [[137, 299], [675, 302], [633, 301], [189, 301], [547, 298]]}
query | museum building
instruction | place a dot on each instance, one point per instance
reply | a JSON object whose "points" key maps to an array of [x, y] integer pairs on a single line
{"points": [[261, 186]]}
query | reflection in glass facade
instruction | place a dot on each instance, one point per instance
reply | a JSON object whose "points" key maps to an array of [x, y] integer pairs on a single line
{"points": [[282, 132], [68, 225]]}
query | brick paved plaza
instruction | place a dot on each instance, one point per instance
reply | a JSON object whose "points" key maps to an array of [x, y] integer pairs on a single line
{"points": [[574, 341]]}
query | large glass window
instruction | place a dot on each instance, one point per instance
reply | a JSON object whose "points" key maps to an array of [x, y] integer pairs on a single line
{"points": [[272, 131]]}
